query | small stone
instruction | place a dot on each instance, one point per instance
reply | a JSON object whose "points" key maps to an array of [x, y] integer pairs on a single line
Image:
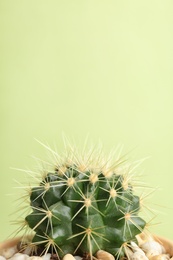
{"points": [[152, 248], [143, 238], [128, 252], [103, 255], [68, 257], [35, 258], [160, 257], [19, 256], [46, 257], [2, 257], [136, 248], [138, 256], [8, 252]]}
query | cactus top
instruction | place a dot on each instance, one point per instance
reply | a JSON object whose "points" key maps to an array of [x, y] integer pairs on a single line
{"points": [[84, 205]]}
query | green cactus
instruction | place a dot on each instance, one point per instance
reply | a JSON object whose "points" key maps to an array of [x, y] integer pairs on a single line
{"points": [[83, 205]]}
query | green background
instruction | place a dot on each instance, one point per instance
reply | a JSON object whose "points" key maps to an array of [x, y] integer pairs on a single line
{"points": [[103, 68]]}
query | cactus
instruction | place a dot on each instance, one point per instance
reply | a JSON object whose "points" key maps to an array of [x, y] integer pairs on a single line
{"points": [[83, 205]]}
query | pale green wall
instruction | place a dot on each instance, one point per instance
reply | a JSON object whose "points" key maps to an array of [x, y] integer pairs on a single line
{"points": [[98, 67]]}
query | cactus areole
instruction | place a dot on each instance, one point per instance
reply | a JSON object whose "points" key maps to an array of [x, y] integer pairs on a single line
{"points": [[79, 208]]}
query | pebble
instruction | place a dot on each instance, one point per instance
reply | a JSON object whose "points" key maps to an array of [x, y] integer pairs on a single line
{"points": [[8, 252], [160, 257], [128, 252], [68, 257], [19, 256], [35, 258], [46, 257], [2, 257], [103, 255], [138, 256], [142, 238], [136, 248], [152, 248]]}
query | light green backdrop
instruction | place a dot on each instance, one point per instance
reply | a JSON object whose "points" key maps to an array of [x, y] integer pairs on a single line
{"points": [[103, 68]]}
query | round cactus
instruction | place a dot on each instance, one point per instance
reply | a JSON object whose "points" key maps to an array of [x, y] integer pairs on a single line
{"points": [[83, 205]]}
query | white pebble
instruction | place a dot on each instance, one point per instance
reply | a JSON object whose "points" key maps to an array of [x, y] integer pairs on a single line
{"points": [[136, 248], [8, 252], [103, 255], [68, 257], [152, 248], [35, 258], [142, 238], [19, 256], [2, 257], [46, 257], [128, 252], [160, 257], [138, 256]]}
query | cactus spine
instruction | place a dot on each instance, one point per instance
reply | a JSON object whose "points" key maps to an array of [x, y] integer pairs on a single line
{"points": [[84, 204]]}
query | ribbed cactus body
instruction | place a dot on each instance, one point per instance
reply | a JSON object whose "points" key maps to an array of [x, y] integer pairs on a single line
{"points": [[81, 211]]}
